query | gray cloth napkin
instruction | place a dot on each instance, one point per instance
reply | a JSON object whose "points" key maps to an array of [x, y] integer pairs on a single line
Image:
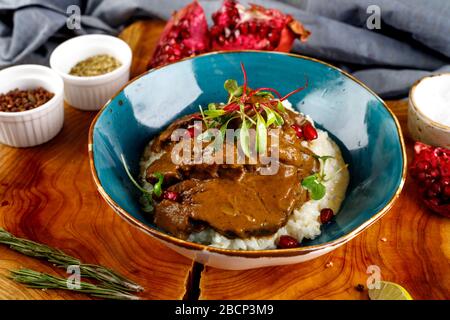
{"points": [[413, 40]]}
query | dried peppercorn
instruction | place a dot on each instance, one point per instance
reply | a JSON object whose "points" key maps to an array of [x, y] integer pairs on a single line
{"points": [[359, 287], [22, 100]]}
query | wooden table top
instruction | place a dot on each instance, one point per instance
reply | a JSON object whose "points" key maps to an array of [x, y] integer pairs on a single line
{"points": [[47, 195]]}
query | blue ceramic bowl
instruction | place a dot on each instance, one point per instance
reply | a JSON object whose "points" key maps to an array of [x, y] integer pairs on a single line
{"points": [[359, 121]]}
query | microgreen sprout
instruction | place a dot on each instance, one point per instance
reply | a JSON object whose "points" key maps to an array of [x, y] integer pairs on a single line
{"points": [[147, 193], [260, 108], [315, 182]]}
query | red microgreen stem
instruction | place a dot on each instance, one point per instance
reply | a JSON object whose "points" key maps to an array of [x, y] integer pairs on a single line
{"points": [[244, 86], [296, 90], [231, 107]]}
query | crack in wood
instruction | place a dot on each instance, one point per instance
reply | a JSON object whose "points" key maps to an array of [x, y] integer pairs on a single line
{"points": [[193, 284]]}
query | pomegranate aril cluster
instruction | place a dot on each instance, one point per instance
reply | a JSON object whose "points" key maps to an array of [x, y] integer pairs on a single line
{"points": [[185, 35], [236, 27], [431, 169], [305, 131], [229, 29]]}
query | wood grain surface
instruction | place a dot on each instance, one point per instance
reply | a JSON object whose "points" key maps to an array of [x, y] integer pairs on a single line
{"points": [[410, 245], [47, 194]]}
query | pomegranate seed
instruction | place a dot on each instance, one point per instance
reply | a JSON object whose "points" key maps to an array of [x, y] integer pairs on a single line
{"points": [[446, 192], [436, 187], [253, 27], [191, 132], [171, 195], [428, 182], [423, 166], [435, 202], [273, 38], [176, 51], [229, 4], [264, 30], [184, 34], [422, 176], [309, 132], [434, 173], [244, 28], [215, 17], [431, 194], [326, 215], [298, 130], [287, 242], [215, 31], [445, 181]]}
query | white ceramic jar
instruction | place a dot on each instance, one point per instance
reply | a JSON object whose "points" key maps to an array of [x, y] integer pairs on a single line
{"points": [[91, 93], [429, 110], [36, 126]]}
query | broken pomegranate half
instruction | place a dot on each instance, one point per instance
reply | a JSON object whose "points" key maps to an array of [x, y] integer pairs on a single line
{"points": [[185, 34], [431, 168], [237, 27]]}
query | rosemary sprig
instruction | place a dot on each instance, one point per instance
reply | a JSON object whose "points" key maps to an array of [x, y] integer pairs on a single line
{"points": [[39, 280], [107, 277]]}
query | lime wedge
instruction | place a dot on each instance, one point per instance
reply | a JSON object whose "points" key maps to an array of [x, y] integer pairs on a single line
{"points": [[389, 291]]}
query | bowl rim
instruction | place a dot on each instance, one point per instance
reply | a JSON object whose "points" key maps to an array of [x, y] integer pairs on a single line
{"points": [[274, 253], [57, 96], [418, 110]]}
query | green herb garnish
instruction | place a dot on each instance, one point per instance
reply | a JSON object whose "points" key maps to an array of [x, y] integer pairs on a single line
{"points": [[147, 194], [315, 183], [315, 186], [157, 188], [233, 88], [266, 112]]}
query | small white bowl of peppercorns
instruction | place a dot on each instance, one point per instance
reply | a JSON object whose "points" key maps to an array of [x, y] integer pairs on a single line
{"points": [[31, 105]]}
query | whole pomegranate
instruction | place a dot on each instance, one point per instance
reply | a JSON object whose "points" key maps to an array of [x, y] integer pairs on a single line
{"points": [[237, 27], [185, 34], [431, 168]]}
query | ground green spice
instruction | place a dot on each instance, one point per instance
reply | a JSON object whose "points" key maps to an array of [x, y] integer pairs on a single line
{"points": [[95, 66]]}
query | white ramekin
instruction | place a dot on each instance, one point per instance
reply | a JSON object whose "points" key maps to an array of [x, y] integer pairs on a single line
{"points": [[91, 93], [420, 126], [36, 126]]}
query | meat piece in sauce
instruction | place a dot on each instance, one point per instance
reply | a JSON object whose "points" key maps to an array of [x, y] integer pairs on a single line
{"points": [[235, 200]]}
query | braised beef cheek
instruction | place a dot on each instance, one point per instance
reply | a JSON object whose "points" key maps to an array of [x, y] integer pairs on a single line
{"points": [[235, 200]]}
